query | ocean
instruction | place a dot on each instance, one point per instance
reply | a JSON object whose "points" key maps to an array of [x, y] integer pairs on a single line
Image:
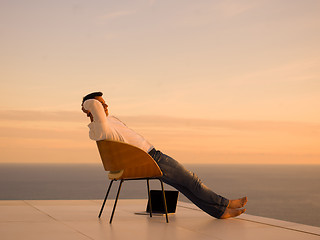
{"points": [[285, 192]]}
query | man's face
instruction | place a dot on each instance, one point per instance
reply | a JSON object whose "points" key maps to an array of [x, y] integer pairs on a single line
{"points": [[105, 106]]}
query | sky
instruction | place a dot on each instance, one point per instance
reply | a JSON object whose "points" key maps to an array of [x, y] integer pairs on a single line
{"points": [[221, 82]]}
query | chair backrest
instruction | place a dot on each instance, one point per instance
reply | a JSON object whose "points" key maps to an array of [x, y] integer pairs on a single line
{"points": [[135, 162]]}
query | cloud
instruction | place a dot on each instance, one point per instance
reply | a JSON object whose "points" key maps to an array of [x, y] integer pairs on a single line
{"points": [[238, 125], [229, 9], [117, 14], [200, 14], [20, 132], [156, 122], [295, 71], [40, 116], [39, 132]]}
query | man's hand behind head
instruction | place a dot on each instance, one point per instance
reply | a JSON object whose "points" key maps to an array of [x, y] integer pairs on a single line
{"points": [[88, 113]]}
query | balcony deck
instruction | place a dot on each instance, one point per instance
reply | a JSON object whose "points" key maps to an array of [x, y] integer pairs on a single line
{"points": [[77, 219]]}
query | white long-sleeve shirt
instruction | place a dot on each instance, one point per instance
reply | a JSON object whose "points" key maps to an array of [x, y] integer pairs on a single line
{"points": [[110, 128]]}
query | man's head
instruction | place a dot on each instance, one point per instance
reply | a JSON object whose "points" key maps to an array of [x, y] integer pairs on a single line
{"points": [[97, 96], [92, 96]]}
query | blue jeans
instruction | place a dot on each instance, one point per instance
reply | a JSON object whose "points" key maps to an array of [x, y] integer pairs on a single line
{"points": [[189, 185]]}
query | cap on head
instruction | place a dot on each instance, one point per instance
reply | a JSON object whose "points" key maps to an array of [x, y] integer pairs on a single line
{"points": [[92, 96]]}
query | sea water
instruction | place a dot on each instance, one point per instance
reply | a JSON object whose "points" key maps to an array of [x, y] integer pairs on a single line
{"points": [[285, 192]]}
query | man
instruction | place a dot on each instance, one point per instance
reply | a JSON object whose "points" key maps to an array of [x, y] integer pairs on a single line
{"points": [[174, 173]]}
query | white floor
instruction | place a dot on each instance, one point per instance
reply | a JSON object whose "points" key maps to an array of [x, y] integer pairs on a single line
{"points": [[77, 219]]}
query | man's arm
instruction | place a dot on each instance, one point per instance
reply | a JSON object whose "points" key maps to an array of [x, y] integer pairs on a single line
{"points": [[88, 113]]}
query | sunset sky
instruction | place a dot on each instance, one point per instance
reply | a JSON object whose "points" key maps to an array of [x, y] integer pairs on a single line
{"points": [[227, 82]]}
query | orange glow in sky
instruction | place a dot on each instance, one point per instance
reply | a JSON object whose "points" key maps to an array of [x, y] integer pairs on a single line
{"points": [[204, 81]]}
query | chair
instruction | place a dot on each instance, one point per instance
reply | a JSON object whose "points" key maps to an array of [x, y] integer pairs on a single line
{"points": [[126, 162]]}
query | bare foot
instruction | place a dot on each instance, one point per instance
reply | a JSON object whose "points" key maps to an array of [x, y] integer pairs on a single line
{"points": [[232, 213], [237, 203]]}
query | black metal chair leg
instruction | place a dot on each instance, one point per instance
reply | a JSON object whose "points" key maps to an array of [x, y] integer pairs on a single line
{"points": [[115, 203], [149, 198], [105, 198], [164, 200]]}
